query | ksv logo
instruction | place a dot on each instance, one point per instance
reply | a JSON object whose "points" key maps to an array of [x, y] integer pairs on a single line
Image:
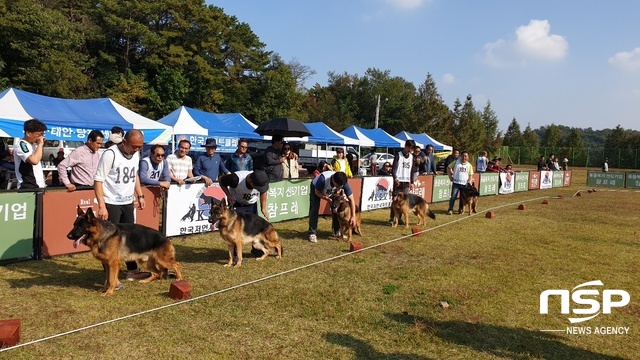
{"points": [[588, 297]]}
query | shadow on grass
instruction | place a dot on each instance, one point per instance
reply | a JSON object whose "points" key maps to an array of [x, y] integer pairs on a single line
{"points": [[363, 350], [500, 341], [59, 273]]}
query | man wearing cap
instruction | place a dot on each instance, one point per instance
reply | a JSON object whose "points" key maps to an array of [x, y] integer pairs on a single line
{"points": [[244, 188], [494, 165], [210, 165], [83, 162]]}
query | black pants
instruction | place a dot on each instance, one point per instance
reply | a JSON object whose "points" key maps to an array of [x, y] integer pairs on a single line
{"points": [[123, 214]]}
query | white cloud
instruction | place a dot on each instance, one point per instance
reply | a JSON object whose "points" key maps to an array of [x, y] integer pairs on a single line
{"points": [[532, 42], [626, 60], [406, 4], [448, 79]]}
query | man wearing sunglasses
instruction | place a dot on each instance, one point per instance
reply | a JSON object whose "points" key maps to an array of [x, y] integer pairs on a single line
{"points": [[240, 160], [154, 169]]}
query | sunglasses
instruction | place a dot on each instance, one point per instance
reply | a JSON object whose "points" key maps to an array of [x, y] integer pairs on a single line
{"points": [[161, 155]]}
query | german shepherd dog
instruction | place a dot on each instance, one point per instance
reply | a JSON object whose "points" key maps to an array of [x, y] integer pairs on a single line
{"points": [[469, 196], [340, 207], [237, 228], [403, 202], [113, 243]]}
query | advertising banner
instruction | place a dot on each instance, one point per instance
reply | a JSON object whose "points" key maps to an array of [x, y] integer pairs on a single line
{"points": [[546, 179], [489, 184], [567, 178], [376, 192], [225, 144], [423, 187], [558, 179], [506, 183], [441, 188], [534, 180], [522, 181], [633, 180], [288, 199], [612, 179], [17, 219], [188, 208], [60, 211]]}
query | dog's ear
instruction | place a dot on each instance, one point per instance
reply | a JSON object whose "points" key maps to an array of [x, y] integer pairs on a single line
{"points": [[90, 214], [80, 212]]}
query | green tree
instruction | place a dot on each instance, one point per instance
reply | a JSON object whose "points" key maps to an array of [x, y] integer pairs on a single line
{"points": [[433, 116], [530, 138], [552, 137], [492, 137], [513, 136], [470, 129], [574, 140], [616, 139]]}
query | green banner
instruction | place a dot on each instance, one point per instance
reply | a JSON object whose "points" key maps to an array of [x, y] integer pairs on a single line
{"points": [[489, 183], [17, 219], [288, 200], [599, 178], [441, 188], [558, 179], [522, 181], [633, 180]]}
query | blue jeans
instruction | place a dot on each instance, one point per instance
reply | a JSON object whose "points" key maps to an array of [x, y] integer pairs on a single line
{"points": [[455, 189]]}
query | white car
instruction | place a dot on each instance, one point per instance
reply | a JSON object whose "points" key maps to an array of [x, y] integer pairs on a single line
{"points": [[381, 158], [51, 147]]}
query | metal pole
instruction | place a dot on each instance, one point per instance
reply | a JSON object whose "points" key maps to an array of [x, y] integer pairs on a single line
{"points": [[377, 112]]}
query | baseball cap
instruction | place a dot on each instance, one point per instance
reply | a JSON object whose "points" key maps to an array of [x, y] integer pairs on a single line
{"points": [[260, 180]]}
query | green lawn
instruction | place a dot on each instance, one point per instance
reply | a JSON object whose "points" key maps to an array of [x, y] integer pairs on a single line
{"points": [[468, 288]]}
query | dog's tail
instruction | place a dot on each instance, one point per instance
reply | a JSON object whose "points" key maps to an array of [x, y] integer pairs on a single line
{"points": [[431, 214]]}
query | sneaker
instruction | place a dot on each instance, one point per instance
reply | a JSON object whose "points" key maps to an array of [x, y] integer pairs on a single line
{"points": [[313, 238], [460, 212], [119, 287], [137, 275], [390, 223], [449, 212]]}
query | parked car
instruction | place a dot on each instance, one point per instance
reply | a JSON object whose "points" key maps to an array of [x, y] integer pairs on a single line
{"points": [[51, 147], [381, 159]]}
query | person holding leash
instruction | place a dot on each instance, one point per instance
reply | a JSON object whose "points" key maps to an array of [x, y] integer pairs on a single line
{"points": [[321, 188], [244, 188], [460, 173], [116, 186], [404, 172]]}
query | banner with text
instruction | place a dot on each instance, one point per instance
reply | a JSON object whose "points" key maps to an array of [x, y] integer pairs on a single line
{"points": [[598, 178], [489, 184], [522, 181], [17, 218], [376, 192]]}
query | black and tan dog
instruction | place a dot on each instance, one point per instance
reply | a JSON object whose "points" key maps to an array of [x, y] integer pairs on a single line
{"points": [[340, 207], [469, 196], [113, 243], [403, 202], [237, 228]]}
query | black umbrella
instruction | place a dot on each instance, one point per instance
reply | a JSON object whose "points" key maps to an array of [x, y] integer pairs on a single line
{"points": [[283, 126]]}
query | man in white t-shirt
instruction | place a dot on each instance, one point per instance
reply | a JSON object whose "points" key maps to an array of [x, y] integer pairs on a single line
{"points": [[27, 154], [460, 173]]}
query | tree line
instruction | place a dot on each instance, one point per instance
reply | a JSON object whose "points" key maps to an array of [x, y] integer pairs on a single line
{"points": [[154, 56]]}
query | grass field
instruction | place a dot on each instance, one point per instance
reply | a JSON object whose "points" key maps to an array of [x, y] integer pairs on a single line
{"points": [[469, 288]]}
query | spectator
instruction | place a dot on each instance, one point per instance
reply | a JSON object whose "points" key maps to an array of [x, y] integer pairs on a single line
{"points": [[245, 188], [55, 175], [210, 165], [83, 162], [181, 165], [340, 163], [290, 168], [460, 173], [542, 165], [6, 161], [451, 158], [550, 162], [605, 165], [403, 172], [508, 169], [240, 160], [117, 184], [430, 164], [354, 162], [27, 155], [373, 159], [420, 160], [154, 169], [274, 158], [321, 188], [554, 164], [494, 165], [115, 137], [385, 169], [322, 167], [482, 162], [565, 164]]}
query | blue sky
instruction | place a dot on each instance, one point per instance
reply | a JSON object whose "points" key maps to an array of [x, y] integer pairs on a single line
{"points": [[573, 63]]}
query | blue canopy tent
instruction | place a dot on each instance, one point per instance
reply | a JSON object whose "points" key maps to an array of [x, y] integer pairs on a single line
{"points": [[322, 134], [425, 140], [403, 135], [382, 138], [73, 119], [196, 126], [355, 133]]}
